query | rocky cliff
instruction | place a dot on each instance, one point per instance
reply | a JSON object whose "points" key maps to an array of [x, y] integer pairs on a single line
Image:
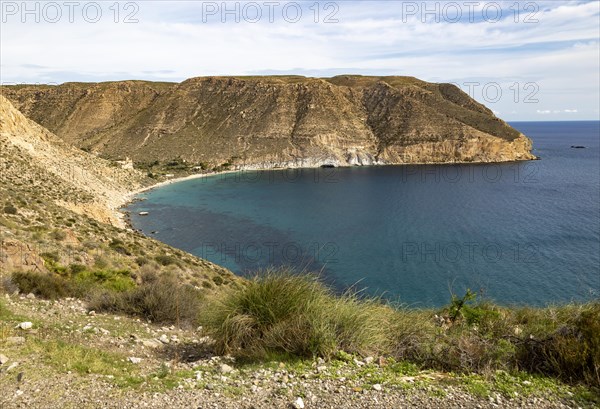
{"points": [[252, 122]]}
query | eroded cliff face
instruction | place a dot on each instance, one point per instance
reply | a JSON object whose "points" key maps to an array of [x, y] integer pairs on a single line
{"points": [[266, 122]]}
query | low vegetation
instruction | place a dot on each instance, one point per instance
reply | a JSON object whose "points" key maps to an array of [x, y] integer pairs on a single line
{"points": [[279, 314], [79, 284], [159, 298]]}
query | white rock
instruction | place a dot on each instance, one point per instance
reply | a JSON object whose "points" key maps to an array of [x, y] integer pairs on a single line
{"points": [[150, 343], [3, 359], [369, 360], [92, 313], [358, 363], [298, 404], [377, 387], [31, 296], [12, 366], [164, 339], [226, 368], [135, 360], [25, 325]]}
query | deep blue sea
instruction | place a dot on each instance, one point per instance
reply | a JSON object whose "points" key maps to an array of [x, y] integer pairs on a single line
{"points": [[518, 233]]}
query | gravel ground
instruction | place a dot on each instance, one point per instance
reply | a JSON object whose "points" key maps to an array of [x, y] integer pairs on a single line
{"points": [[174, 368]]}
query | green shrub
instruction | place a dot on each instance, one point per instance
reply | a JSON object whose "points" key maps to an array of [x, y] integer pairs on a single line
{"points": [[113, 280], [281, 313], [160, 298], [45, 285], [571, 352]]}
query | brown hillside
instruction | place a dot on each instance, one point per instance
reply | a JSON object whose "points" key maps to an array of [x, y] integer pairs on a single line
{"points": [[274, 121]]}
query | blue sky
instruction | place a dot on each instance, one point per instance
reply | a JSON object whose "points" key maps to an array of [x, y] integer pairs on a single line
{"points": [[526, 60]]}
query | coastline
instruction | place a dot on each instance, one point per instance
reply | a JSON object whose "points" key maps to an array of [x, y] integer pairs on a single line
{"points": [[122, 215]]}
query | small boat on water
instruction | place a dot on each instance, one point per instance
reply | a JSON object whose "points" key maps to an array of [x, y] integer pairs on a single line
{"points": [[144, 213]]}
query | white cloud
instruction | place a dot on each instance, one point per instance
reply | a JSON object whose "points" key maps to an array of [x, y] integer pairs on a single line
{"points": [[559, 55]]}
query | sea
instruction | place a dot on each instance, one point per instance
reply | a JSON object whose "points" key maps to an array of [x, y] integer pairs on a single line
{"points": [[522, 233]]}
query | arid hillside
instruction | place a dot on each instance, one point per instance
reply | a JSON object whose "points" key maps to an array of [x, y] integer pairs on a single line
{"points": [[250, 122], [58, 211]]}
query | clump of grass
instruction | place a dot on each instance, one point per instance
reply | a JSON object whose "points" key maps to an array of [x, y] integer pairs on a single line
{"points": [[160, 298], [282, 313]]}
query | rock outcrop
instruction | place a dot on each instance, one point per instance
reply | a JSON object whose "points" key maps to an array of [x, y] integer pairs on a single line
{"points": [[266, 122]]}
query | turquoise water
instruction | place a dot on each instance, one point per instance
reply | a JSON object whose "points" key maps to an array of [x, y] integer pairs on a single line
{"points": [[523, 232]]}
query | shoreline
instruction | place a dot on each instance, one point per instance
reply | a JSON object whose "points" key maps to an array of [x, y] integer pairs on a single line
{"points": [[122, 216]]}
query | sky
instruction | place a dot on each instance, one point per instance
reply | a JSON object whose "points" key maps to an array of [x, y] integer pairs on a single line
{"points": [[525, 60]]}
